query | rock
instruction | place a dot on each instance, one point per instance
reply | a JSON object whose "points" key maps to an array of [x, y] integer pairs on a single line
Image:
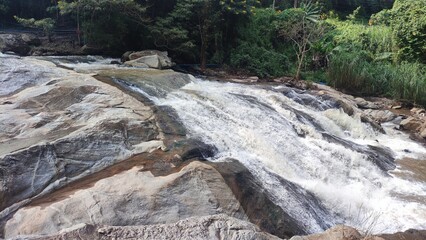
{"points": [[14, 43], [253, 79], [133, 197], [363, 104], [157, 83], [136, 63], [411, 124], [418, 111], [31, 39], [380, 116], [423, 133], [258, 204], [115, 62], [152, 58], [126, 56], [152, 61], [339, 232], [397, 107], [410, 234], [212, 227], [55, 133]]}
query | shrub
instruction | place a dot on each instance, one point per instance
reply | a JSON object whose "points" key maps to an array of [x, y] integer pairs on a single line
{"points": [[409, 29], [257, 46], [259, 60]]}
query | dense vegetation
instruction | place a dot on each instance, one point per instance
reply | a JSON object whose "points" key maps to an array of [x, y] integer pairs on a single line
{"points": [[366, 47]]}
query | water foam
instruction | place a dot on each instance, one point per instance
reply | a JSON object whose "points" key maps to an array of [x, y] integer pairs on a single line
{"points": [[261, 128]]}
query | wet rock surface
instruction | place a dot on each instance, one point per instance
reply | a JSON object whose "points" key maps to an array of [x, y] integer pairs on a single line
{"points": [[257, 203]]}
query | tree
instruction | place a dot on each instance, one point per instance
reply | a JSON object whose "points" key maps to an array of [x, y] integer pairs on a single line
{"points": [[104, 22], [191, 24], [46, 24], [3, 6], [301, 27]]}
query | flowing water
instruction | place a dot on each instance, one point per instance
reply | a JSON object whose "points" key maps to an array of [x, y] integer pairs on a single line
{"points": [[272, 133], [281, 133]]}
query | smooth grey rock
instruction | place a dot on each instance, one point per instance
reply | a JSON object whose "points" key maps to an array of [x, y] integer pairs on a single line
{"points": [[380, 116], [150, 57], [133, 197], [55, 133]]}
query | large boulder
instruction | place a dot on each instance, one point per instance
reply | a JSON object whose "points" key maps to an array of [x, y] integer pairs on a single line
{"points": [[411, 124], [148, 58], [14, 43], [126, 56], [65, 128], [134, 197], [380, 116]]}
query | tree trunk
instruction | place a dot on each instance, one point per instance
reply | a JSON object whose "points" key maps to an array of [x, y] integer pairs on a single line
{"points": [[203, 57], [78, 25], [296, 3], [299, 64]]}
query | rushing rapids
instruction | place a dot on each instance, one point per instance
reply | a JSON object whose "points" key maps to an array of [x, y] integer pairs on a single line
{"points": [[320, 165], [279, 132]]}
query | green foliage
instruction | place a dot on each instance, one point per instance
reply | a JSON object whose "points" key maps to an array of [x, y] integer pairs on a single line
{"points": [[383, 17], [189, 29], [257, 46], [409, 29], [301, 28], [409, 82], [46, 24], [355, 15], [3, 7], [355, 73], [259, 60], [105, 23], [240, 6], [355, 36], [359, 74]]}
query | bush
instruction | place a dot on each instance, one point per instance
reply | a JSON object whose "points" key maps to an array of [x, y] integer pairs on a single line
{"points": [[257, 49], [374, 39], [259, 60], [409, 29]]}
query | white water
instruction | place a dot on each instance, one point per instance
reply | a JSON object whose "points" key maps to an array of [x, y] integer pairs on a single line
{"points": [[258, 127]]}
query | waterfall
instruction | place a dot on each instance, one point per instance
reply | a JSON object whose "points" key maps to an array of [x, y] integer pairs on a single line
{"points": [[278, 132], [322, 166]]}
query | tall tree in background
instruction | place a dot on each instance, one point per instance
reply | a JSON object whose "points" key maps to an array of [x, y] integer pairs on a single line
{"points": [[190, 24], [301, 27], [104, 22]]}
